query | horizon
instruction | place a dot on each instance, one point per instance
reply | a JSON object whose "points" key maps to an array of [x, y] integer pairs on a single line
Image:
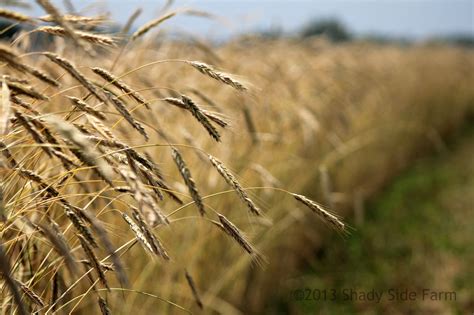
{"points": [[415, 20]]}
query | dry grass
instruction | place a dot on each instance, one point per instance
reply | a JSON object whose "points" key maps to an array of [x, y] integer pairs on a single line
{"points": [[79, 185]]}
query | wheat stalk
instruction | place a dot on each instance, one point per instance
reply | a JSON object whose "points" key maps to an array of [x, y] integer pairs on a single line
{"points": [[102, 234], [232, 181], [130, 21], [58, 18], [13, 15], [155, 243], [148, 26], [230, 229], [217, 75], [211, 115], [55, 289], [80, 226], [21, 89], [30, 128], [86, 108], [198, 113], [138, 233], [10, 282], [323, 213], [9, 78], [18, 101], [188, 180], [104, 308], [55, 236], [35, 298], [8, 155], [193, 287], [71, 69], [11, 57], [88, 20], [110, 78], [122, 109], [83, 150], [86, 36], [94, 261]]}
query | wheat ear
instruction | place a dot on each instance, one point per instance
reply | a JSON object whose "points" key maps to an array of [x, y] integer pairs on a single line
{"points": [[188, 180], [35, 298], [230, 229], [94, 261], [12, 15], [148, 26], [197, 112], [104, 308], [323, 213], [71, 69], [86, 107], [10, 282], [109, 77], [232, 181], [86, 36], [217, 75], [193, 287], [122, 109]]}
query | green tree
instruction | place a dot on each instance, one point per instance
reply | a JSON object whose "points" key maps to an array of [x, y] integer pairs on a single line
{"points": [[331, 28]]}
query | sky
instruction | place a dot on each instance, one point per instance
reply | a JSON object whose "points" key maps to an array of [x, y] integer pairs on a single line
{"points": [[416, 19]]}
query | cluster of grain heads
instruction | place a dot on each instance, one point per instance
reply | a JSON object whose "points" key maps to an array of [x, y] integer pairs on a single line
{"points": [[67, 28], [12, 58], [83, 149], [146, 203], [65, 167], [72, 70], [145, 235]]}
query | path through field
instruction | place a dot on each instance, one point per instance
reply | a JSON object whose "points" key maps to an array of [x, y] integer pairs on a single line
{"points": [[416, 237]]}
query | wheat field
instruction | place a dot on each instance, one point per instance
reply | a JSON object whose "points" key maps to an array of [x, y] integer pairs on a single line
{"points": [[142, 174]]}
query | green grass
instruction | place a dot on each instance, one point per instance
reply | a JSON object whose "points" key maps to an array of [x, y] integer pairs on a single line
{"points": [[417, 234]]}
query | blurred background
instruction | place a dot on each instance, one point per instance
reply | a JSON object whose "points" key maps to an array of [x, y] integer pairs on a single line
{"points": [[396, 19]]}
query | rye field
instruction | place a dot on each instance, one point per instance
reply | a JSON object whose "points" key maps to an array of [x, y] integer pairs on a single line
{"points": [[142, 174]]}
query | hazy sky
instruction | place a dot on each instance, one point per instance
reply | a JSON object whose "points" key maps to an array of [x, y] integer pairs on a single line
{"points": [[412, 18]]}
